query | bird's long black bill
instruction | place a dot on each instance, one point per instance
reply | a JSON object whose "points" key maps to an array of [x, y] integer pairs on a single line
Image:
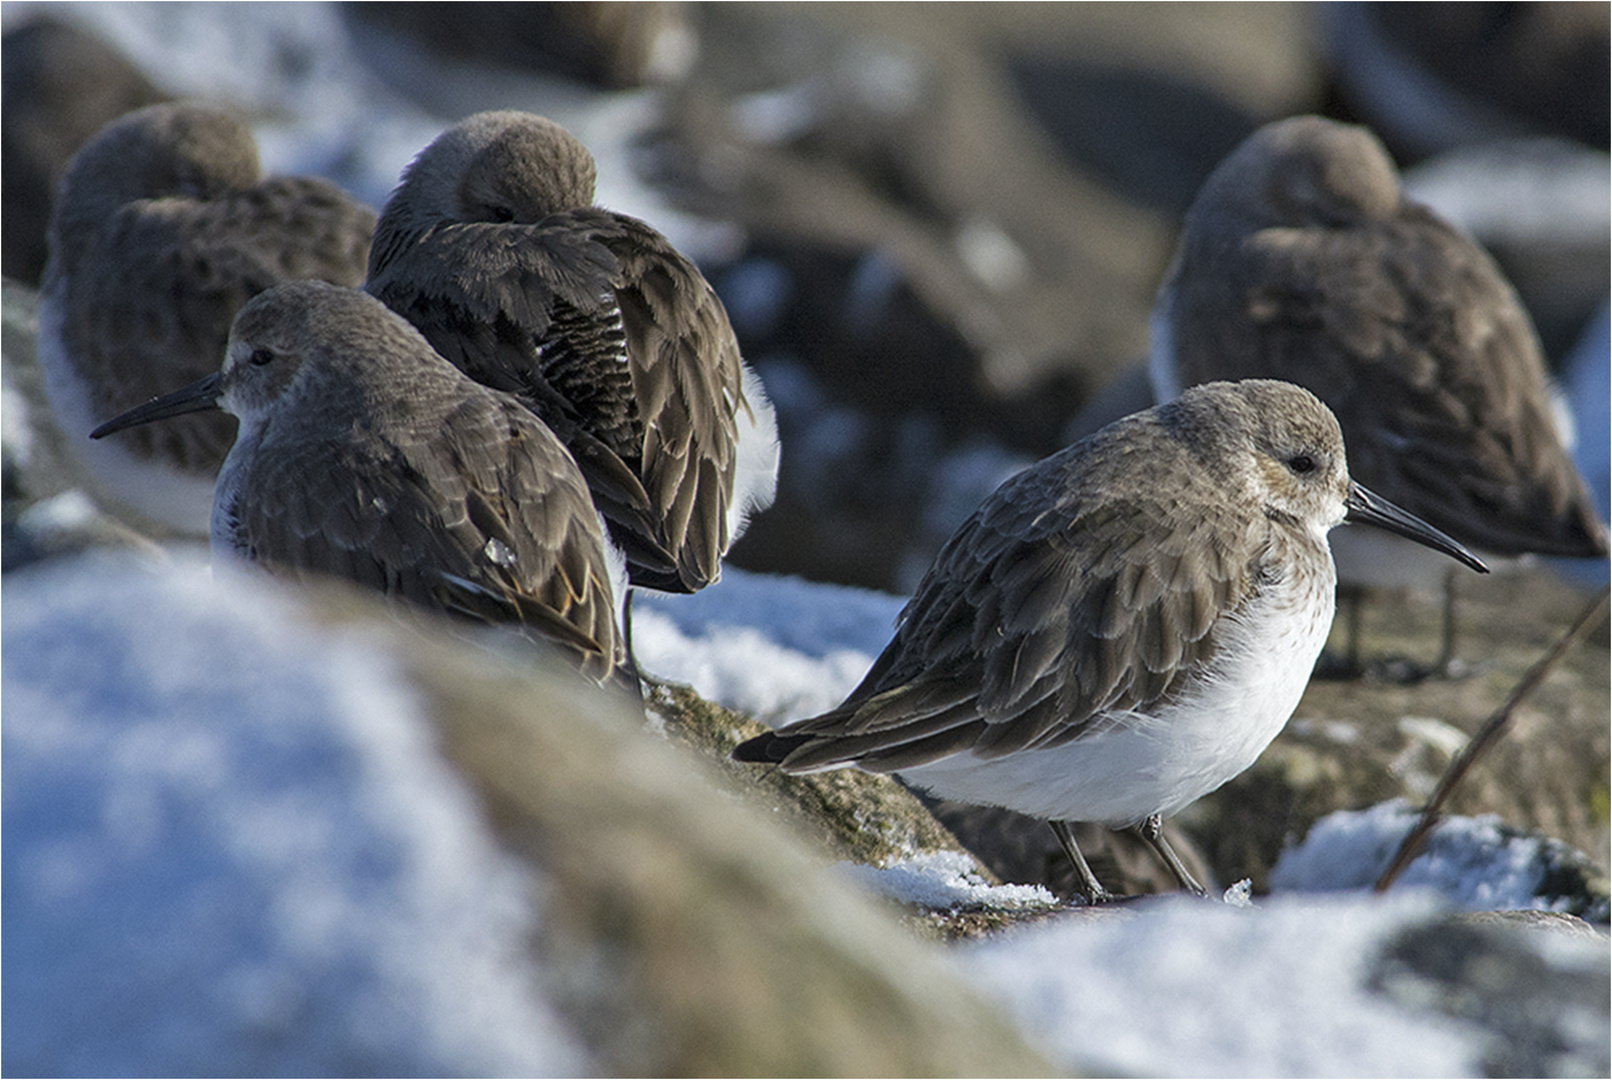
{"points": [[199, 396], [1369, 509]]}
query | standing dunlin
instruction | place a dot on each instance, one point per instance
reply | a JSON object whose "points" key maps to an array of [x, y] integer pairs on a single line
{"points": [[492, 246], [163, 229], [1120, 628], [364, 455], [1300, 260]]}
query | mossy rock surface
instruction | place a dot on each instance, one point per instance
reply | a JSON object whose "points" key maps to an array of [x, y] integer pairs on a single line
{"points": [[851, 814]]}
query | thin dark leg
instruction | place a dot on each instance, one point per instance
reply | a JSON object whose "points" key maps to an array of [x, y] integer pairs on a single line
{"points": [[626, 626], [1344, 662], [1446, 656], [630, 672], [1090, 887], [1152, 832], [1352, 600]]}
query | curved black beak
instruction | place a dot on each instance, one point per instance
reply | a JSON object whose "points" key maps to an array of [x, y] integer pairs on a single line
{"points": [[199, 396], [1369, 509]]}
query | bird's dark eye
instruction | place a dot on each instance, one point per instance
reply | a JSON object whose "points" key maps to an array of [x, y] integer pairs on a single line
{"points": [[501, 215], [1302, 464], [260, 357]]}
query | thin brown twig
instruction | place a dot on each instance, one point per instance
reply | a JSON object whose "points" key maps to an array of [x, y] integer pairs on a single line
{"points": [[1486, 736]]}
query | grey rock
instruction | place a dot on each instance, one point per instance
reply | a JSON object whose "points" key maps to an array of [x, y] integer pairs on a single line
{"points": [[1543, 995], [846, 814], [711, 944], [1431, 78], [673, 928]]}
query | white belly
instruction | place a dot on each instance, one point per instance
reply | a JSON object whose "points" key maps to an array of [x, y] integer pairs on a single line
{"points": [[755, 474], [1158, 764]]}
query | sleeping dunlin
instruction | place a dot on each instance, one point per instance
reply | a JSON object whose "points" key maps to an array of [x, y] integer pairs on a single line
{"points": [[1301, 260], [163, 229], [492, 246]]}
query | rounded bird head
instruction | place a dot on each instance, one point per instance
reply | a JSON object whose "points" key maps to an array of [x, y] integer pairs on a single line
{"points": [[305, 332], [496, 168], [178, 148], [1302, 171], [1280, 449], [310, 341], [268, 346], [1275, 443]]}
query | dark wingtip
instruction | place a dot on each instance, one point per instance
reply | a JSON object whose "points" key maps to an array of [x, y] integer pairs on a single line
{"points": [[768, 748], [666, 581]]}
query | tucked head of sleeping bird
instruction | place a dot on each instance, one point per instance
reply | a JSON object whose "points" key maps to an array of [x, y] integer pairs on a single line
{"points": [[162, 231], [491, 245], [1302, 260]]}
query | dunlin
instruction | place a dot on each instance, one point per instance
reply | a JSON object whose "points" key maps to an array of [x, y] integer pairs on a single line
{"points": [[1300, 260], [1120, 628], [364, 455], [163, 229], [492, 246]]}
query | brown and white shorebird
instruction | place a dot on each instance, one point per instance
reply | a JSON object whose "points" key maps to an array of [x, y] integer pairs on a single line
{"points": [[363, 455], [163, 229], [1301, 260], [1120, 628], [492, 246]]}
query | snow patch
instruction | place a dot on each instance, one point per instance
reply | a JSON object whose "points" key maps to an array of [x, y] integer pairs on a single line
{"points": [[231, 848]]}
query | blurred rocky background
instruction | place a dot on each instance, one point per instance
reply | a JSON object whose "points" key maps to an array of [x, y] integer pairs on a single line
{"points": [[943, 226], [954, 221]]}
